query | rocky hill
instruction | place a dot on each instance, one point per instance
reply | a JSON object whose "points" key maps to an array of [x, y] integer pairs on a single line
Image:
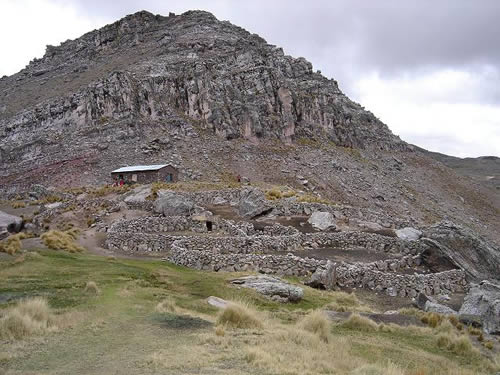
{"points": [[216, 101], [484, 169]]}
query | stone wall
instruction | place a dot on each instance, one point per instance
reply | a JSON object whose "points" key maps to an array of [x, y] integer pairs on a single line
{"points": [[402, 285], [208, 260], [371, 241], [249, 249]]}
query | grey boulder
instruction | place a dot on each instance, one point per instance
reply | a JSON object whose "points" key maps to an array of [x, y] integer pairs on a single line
{"points": [[170, 203], [408, 234], [252, 203], [272, 287], [322, 221], [482, 305], [479, 259], [10, 223], [138, 195]]}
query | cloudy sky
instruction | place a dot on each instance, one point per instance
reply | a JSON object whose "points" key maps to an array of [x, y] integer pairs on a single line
{"points": [[429, 69]]}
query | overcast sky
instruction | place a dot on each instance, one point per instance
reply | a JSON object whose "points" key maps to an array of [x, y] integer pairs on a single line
{"points": [[429, 69]]}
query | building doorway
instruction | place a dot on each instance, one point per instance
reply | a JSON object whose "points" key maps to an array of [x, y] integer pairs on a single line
{"points": [[209, 226]]}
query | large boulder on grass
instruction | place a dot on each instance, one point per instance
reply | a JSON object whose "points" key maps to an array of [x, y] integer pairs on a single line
{"points": [[10, 223], [272, 287], [170, 203], [323, 221], [482, 305]]}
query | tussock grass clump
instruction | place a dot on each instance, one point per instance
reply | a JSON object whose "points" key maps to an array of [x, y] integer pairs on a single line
{"points": [[342, 301], [360, 323], [29, 317], [489, 345], [432, 319], [474, 331], [18, 204], [167, 306], [273, 194], [12, 244], [92, 288], [239, 315], [316, 322], [460, 345], [62, 240]]}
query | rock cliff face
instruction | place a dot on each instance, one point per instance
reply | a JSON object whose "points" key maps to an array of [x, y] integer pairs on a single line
{"points": [[188, 68]]}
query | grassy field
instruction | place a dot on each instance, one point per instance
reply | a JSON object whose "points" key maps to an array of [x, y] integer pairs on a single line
{"points": [[115, 327]]}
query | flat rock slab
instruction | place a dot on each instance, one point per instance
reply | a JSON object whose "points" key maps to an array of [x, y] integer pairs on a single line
{"points": [[217, 302], [271, 287], [399, 319]]}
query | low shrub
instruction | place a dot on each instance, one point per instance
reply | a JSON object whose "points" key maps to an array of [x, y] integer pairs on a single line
{"points": [[62, 240], [28, 317], [316, 322], [239, 315]]}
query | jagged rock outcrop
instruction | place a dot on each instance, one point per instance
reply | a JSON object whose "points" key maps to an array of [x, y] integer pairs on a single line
{"points": [[463, 248]]}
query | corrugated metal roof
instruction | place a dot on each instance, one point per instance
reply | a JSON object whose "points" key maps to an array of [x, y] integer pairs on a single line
{"points": [[138, 168]]}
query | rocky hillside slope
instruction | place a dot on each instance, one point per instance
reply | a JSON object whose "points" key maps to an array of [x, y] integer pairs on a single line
{"points": [[484, 169], [216, 101]]}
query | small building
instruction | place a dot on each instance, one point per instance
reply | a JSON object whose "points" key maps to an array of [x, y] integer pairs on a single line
{"points": [[145, 174]]}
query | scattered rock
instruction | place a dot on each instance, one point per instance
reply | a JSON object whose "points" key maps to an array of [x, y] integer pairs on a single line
{"points": [[322, 221], [271, 287]]}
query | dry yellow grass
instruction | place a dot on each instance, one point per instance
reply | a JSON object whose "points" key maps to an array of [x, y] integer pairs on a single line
{"points": [[167, 306], [316, 322], [62, 240], [342, 301], [29, 317], [460, 345], [92, 288], [239, 315], [309, 198], [18, 204], [12, 244], [360, 323]]}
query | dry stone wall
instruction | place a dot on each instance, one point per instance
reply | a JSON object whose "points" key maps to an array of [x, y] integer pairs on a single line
{"points": [[245, 248]]}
